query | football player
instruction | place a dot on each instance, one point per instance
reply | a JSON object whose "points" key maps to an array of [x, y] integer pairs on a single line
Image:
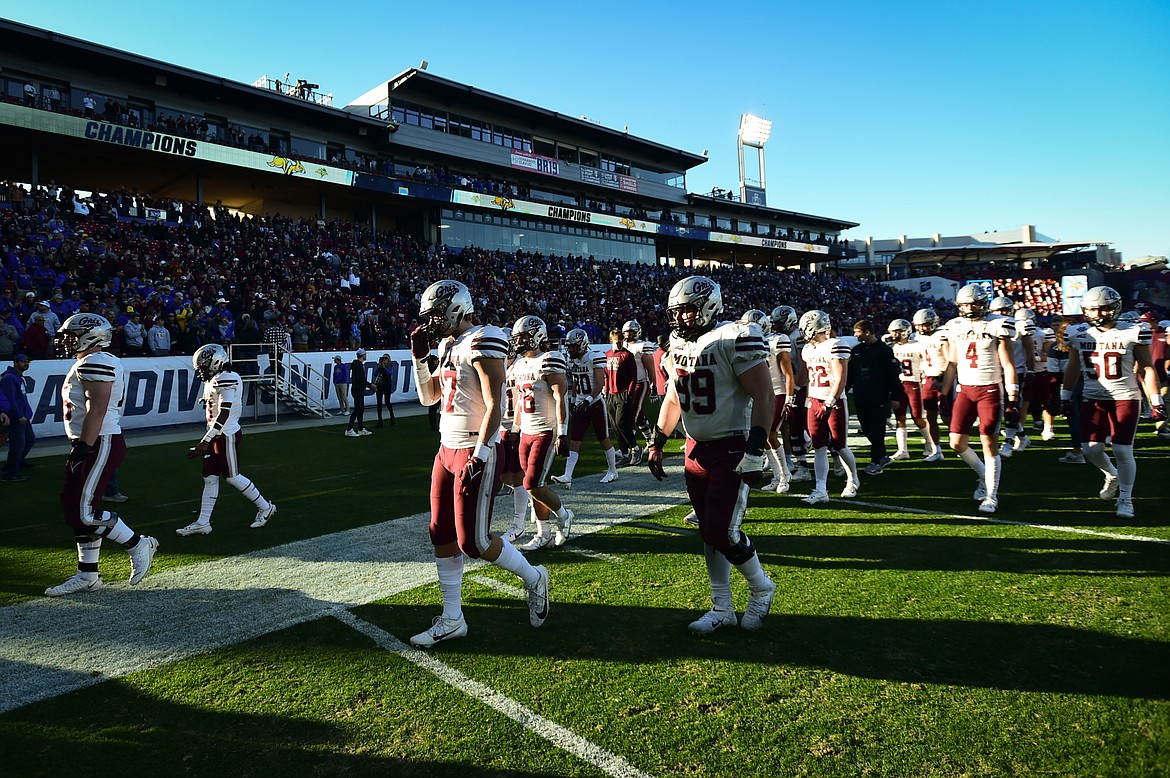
{"points": [[93, 394], [934, 364], [910, 352], [826, 359], [1037, 386], [780, 369], [720, 389], [1024, 350], [643, 351], [587, 368], [1113, 357], [469, 382], [784, 320], [542, 412], [223, 396], [982, 358], [1057, 362], [509, 453]]}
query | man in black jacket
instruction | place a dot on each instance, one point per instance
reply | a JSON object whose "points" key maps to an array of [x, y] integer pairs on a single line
{"points": [[875, 379], [358, 385]]}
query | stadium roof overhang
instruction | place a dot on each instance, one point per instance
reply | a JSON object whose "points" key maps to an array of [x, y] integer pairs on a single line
{"points": [[125, 68], [419, 86], [765, 214], [1011, 251]]}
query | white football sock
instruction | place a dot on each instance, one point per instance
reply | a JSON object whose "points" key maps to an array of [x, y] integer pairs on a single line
{"points": [[719, 571], [571, 464], [850, 461], [514, 562], [821, 468], [1095, 454], [902, 435], [249, 490], [210, 495], [972, 459], [991, 475], [520, 500], [1126, 471], [451, 584], [611, 459]]}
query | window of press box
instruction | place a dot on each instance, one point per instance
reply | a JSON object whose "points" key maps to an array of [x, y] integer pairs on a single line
{"points": [[545, 148]]}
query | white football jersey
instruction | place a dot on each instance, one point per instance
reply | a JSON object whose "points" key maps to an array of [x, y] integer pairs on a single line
{"points": [[818, 359], [463, 406], [99, 366], [934, 353], [581, 374], [639, 348], [777, 345], [508, 413], [704, 375], [910, 359], [224, 391], [1042, 339], [975, 347], [1024, 328], [1107, 359], [535, 404]]}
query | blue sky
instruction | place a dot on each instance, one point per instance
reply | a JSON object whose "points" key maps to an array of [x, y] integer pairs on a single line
{"points": [[910, 118]]}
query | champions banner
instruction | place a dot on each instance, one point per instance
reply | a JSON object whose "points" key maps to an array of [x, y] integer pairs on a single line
{"points": [[164, 391], [99, 131]]}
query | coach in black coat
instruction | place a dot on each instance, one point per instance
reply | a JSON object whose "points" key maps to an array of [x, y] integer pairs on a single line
{"points": [[875, 378]]}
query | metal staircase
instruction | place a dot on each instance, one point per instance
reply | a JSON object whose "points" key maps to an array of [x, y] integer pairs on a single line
{"points": [[289, 380]]}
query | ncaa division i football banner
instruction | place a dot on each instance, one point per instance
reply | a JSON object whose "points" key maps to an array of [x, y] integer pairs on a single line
{"points": [[164, 391]]}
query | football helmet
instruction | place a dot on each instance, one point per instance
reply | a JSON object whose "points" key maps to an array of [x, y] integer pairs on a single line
{"points": [[1105, 301], [972, 301], [756, 316], [1004, 306], [1164, 325], [210, 360], [632, 331], [577, 342], [784, 318], [813, 323], [443, 306], [1130, 316], [528, 334], [925, 320], [1026, 314], [697, 295], [900, 330], [84, 331]]}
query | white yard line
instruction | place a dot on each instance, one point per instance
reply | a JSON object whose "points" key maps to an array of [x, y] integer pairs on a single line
{"points": [[554, 733], [1009, 522]]}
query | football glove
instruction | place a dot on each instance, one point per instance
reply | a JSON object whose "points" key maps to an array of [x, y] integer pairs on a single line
{"points": [[936, 384], [654, 462], [470, 476], [562, 445], [823, 411], [1158, 413], [1011, 413], [420, 343], [79, 452], [751, 469]]}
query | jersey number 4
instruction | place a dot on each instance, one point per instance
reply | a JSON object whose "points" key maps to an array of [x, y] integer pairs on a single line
{"points": [[696, 391]]}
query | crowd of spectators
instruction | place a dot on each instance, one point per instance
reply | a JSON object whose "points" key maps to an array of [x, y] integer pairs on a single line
{"points": [[210, 275]]}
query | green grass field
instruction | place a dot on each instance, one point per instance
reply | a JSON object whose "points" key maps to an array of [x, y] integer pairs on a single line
{"points": [[909, 636]]}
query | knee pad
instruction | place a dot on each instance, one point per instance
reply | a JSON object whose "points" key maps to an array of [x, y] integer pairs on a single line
{"points": [[1094, 448], [238, 481], [740, 552]]}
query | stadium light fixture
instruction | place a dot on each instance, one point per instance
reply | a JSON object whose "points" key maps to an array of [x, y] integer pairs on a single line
{"points": [[754, 131]]}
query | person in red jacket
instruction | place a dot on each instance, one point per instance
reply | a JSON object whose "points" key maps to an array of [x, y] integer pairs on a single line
{"points": [[621, 379]]}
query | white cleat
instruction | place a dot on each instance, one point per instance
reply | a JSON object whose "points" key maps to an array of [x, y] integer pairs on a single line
{"points": [[980, 490], [937, 456], [365, 432], [75, 585], [609, 477], [838, 469], [515, 532], [1006, 449], [561, 534], [263, 516], [713, 620], [1124, 508], [691, 519], [1047, 434], [988, 505], [562, 480], [801, 473], [535, 542], [441, 629], [538, 598], [194, 528], [900, 456], [850, 489], [352, 434], [1022, 442], [141, 557], [758, 607], [1110, 489], [782, 485], [816, 496], [1072, 458]]}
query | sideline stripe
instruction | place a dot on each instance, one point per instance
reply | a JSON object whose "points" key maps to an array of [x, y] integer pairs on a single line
{"points": [[989, 520], [532, 721], [600, 556], [499, 586]]}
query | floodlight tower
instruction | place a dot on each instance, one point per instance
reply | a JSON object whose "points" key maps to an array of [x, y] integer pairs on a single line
{"points": [[753, 132]]}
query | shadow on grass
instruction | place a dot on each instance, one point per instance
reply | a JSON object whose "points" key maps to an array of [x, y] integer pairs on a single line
{"points": [[1022, 657]]}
